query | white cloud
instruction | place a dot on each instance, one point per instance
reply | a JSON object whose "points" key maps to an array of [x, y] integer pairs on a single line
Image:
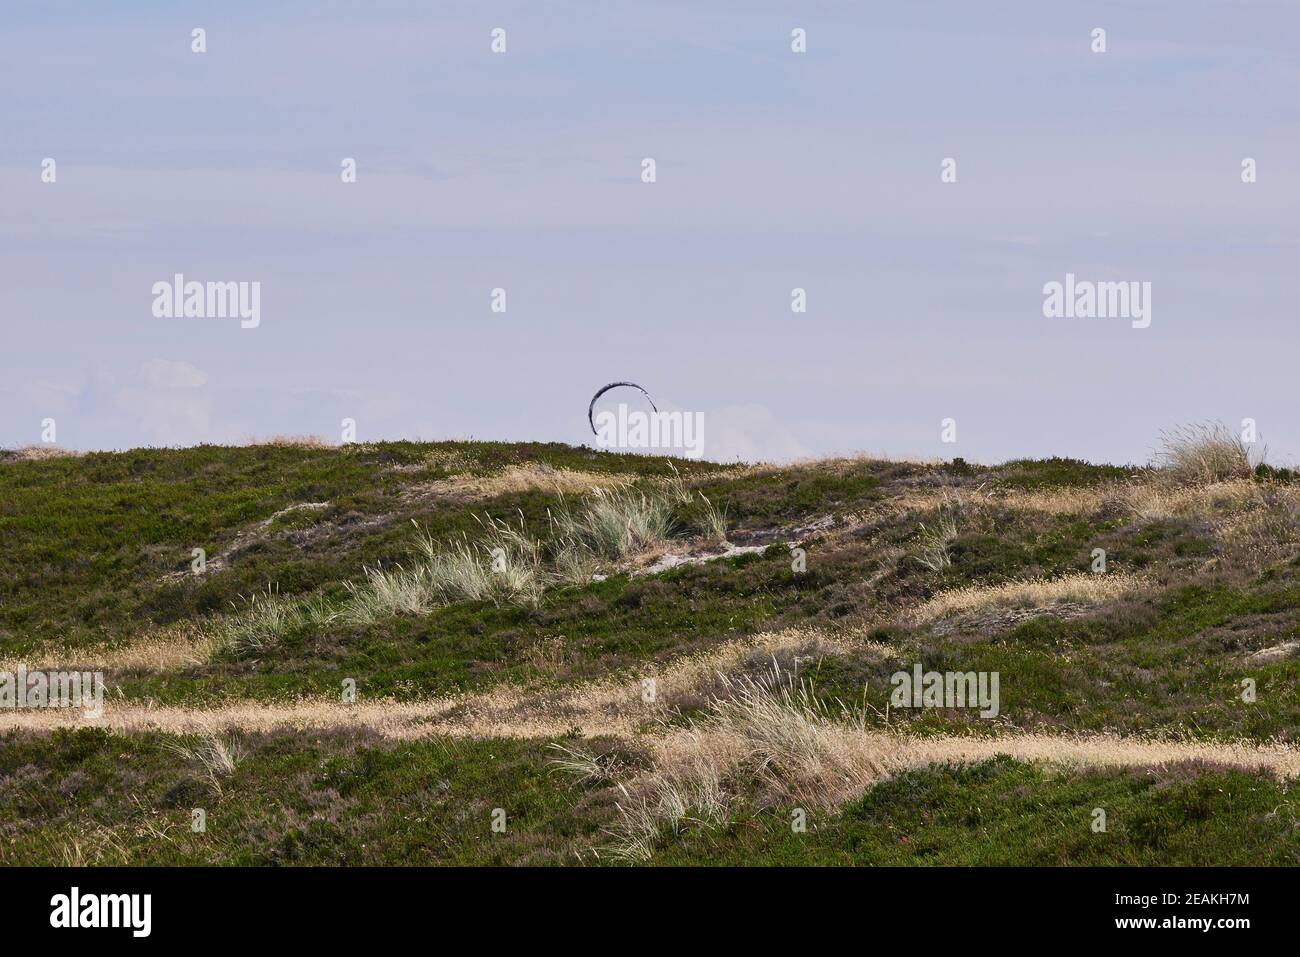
{"points": [[162, 406], [172, 374], [48, 396], [750, 433]]}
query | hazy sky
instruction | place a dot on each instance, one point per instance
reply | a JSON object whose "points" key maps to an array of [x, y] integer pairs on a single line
{"points": [[775, 170]]}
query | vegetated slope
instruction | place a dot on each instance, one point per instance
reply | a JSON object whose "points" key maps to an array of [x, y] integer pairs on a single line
{"points": [[489, 653]]}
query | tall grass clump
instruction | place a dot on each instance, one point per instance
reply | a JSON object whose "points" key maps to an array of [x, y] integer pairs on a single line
{"points": [[572, 561], [1204, 453], [392, 591], [503, 565], [709, 519], [932, 544], [616, 523], [666, 802], [585, 765], [612, 524], [800, 747], [675, 488], [770, 739], [218, 756], [266, 621]]}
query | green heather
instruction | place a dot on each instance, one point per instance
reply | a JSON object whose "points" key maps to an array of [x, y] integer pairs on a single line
{"points": [[374, 563]]}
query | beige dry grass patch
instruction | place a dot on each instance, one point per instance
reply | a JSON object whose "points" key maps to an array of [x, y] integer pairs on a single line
{"points": [[1149, 501], [1279, 652], [1083, 587], [1254, 523], [514, 479], [1146, 501], [38, 453], [1105, 751], [1046, 501], [169, 649], [1152, 501], [815, 760], [292, 442], [617, 705], [853, 462], [97, 847], [1267, 530]]}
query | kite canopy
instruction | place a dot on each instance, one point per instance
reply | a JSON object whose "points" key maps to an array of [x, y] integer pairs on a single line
{"points": [[603, 389]]}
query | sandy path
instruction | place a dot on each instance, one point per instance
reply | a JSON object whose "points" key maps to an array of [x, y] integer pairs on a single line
{"points": [[481, 716], [613, 710]]}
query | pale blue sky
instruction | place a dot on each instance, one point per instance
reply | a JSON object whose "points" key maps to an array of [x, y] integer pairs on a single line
{"points": [[775, 170]]}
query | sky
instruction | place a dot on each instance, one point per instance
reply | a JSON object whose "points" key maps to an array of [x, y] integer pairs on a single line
{"points": [[774, 170]]}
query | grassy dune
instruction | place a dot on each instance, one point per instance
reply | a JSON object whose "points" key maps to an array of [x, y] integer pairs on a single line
{"points": [[490, 653]]}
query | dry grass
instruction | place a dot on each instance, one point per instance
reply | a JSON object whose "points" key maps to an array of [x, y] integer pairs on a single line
{"points": [[532, 476], [1256, 523], [712, 520], [548, 655], [572, 561], [934, 539], [449, 459], [846, 464], [618, 524], [1083, 587], [1105, 751], [801, 750], [100, 846], [217, 755], [587, 766], [386, 592], [292, 442], [1151, 502], [691, 791], [173, 648], [1203, 453], [503, 566], [693, 681], [1046, 501], [769, 734], [1064, 500], [37, 453], [1280, 652], [506, 564], [1265, 527]]}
